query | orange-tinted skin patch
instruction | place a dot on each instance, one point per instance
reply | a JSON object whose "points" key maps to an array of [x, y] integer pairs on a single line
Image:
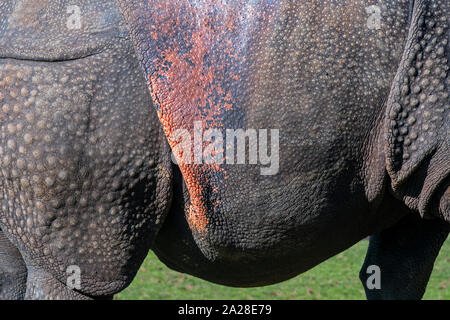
{"points": [[194, 53], [186, 83]]}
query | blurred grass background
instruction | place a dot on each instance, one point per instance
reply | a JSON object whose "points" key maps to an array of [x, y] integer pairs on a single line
{"points": [[334, 279]]}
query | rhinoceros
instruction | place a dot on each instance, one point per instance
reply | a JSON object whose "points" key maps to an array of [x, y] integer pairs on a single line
{"points": [[244, 142]]}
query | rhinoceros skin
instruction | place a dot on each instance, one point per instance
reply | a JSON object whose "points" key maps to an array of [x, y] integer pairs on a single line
{"points": [[349, 98]]}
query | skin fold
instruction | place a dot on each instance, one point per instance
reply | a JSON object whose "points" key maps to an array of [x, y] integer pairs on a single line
{"points": [[90, 110]]}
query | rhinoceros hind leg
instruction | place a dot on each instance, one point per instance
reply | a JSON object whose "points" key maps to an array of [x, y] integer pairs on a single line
{"points": [[13, 272], [405, 255]]}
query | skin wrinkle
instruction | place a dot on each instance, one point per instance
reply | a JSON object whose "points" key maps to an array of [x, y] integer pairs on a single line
{"points": [[418, 110], [187, 82], [25, 21]]}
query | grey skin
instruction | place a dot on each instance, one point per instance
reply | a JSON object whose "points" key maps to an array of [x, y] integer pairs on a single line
{"points": [[86, 174], [85, 179]]}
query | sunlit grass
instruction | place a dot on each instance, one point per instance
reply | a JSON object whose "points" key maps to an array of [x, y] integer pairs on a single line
{"points": [[336, 278]]}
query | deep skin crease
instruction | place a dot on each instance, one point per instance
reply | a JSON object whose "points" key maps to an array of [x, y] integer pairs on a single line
{"points": [[362, 110]]}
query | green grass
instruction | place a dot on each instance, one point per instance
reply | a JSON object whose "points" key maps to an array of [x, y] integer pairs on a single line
{"points": [[336, 278]]}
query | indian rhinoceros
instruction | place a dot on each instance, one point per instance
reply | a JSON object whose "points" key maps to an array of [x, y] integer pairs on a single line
{"points": [[344, 105]]}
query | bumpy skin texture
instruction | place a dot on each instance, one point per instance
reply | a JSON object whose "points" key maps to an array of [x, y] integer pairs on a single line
{"points": [[85, 174], [13, 271], [319, 73], [418, 108]]}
